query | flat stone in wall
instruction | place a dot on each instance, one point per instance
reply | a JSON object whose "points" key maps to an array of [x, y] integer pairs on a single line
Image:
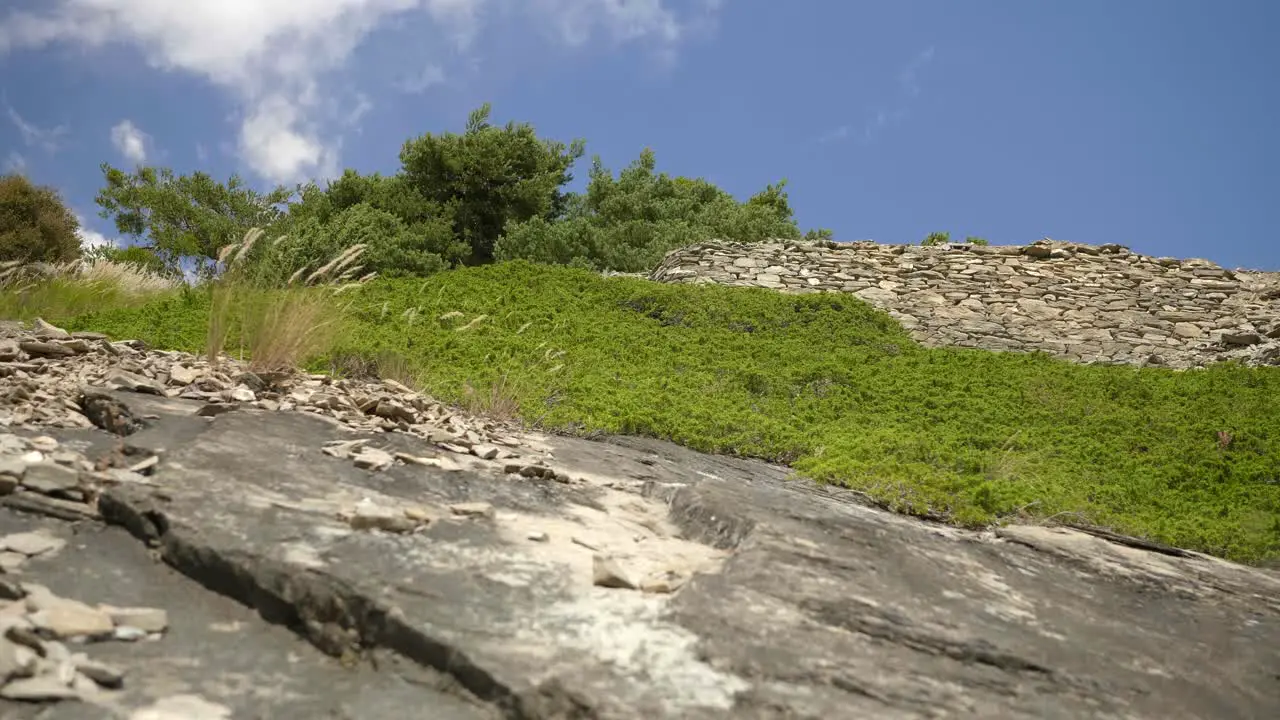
{"points": [[1082, 302]]}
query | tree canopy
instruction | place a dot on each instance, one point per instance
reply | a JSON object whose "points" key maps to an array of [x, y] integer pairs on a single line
{"points": [[628, 223], [185, 216], [35, 224], [488, 177], [487, 194]]}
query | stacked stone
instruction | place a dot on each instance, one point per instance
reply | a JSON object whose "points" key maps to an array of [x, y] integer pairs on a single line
{"points": [[1082, 302]]}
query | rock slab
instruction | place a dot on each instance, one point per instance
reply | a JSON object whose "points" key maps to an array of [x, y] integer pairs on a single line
{"points": [[811, 605]]}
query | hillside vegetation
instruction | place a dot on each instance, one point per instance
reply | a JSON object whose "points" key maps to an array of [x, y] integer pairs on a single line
{"points": [[473, 273], [824, 383]]}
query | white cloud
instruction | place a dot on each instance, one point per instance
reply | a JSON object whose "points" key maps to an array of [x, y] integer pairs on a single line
{"points": [[276, 144], [881, 120], [357, 112], [837, 134], [907, 91], [15, 162], [90, 239], [48, 139], [130, 141], [274, 56], [576, 20], [428, 76], [907, 78]]}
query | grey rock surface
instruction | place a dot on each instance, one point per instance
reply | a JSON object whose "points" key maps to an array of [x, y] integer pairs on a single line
{"points": [[444, 566], [798, 601], [218, 658]]}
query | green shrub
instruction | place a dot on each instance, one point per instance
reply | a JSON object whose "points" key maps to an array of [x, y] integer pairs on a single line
{"points": [[390, 248], [142, 258], [488, 177], [35, 225], [627, 223]]}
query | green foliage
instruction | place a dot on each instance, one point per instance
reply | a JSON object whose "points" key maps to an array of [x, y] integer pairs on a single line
{"points": [[143, 258], [185, 216], [458, 199], [58, 297], [429, 224], [485, 178], [819, 235], [974, 240], [176, 320], [936, 238], [446, 206], [628, 223], [391, 248], [35, 225], [75, 288], [835, 388]]}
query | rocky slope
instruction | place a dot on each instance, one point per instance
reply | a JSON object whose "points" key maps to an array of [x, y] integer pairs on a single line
{"points": [[477, 570]]}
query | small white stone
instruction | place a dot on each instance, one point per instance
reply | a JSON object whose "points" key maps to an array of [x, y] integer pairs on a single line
{"points": [[374, 459], [128, 633], [143, 618], [608, 573], [472, 509], [43, 443], [30, 544]]}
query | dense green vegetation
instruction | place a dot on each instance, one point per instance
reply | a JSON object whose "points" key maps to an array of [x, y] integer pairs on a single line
{"points": [[831, 386], [459, 199], [35, 225]]}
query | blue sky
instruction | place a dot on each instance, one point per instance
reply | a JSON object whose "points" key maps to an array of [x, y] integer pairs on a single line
{"points": [[1150, 123]]}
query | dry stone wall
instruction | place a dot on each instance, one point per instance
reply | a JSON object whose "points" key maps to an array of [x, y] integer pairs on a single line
{"points": [[1083, 302]]}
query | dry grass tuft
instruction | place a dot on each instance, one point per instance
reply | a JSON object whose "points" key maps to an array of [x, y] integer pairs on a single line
{"points": [[74, 288], [282, 324], [384, 365], [292, 325], [500, 401], [129, 278], [395, 366]]}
